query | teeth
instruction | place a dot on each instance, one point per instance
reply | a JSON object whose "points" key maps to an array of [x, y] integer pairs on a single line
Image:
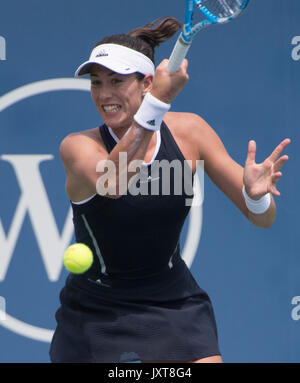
{"points": [[111, 108]]}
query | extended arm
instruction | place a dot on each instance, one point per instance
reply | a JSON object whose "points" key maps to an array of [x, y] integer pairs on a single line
{"points": [[230, 177]]}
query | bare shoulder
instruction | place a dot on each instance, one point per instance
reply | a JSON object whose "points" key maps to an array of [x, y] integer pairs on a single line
{"points": [[187, 124], [80, 153], [184, 120], [193, 134], [78, 144]]}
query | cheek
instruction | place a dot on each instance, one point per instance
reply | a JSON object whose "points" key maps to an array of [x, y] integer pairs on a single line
{"points": [[95, 97], [134, 93], [93, 94], [134, 99]]}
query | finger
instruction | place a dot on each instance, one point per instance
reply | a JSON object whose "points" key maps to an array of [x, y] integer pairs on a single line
{"points": [[280, 162], [279, 149], [274, 191], [163, 65], [184, 65], [251, 152], [276, 177]]}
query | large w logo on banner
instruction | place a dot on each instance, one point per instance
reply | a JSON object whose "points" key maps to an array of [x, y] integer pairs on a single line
{"points": [[34, 201]]}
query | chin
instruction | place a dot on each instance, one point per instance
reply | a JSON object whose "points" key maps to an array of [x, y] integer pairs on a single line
{"points": [[117, 123]]}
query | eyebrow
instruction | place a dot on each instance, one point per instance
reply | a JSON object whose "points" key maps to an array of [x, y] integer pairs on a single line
{"points": [[109, 74]]}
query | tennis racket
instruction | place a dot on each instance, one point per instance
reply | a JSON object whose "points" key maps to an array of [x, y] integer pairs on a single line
{"points": [[211, 12]]}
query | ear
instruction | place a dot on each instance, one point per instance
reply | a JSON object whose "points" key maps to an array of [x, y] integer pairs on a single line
{"points": [[147, 83]]}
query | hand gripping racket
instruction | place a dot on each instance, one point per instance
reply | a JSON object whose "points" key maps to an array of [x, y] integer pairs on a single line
{"points": [[211, 12]]}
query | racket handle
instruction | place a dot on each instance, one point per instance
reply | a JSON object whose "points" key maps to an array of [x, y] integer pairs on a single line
{"points": [[178, 54]]}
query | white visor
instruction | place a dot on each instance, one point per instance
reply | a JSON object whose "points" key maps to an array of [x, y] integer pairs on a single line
{"points": [[117, 58]]}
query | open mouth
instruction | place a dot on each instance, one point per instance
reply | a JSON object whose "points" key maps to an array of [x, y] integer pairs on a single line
{"points": [[113, 108]]}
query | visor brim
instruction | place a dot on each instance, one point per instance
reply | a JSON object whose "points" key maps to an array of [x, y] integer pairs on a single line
{"points": [[113, 65]]}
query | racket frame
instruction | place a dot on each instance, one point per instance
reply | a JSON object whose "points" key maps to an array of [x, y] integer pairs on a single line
{"points": [[188, 32]]}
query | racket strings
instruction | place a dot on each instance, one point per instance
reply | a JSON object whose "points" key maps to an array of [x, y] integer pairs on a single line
{"points": [[223, 8]]}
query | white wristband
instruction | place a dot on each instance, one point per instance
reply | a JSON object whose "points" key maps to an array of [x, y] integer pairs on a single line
{"points": [[257, 207], [151, 112]]}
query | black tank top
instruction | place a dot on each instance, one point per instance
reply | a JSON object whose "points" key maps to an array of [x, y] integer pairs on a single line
{"points": [[135, 236]]}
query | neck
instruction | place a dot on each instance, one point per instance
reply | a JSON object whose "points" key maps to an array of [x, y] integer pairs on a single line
{"points": [[119, 132]]}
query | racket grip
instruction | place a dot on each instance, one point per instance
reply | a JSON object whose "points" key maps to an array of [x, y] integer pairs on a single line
{"points": [[178, 54]]}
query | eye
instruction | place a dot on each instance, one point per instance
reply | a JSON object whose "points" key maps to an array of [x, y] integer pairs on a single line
{"points": [[116, 81], [95, 82]]}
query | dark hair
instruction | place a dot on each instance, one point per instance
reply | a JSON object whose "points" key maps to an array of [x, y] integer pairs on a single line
{"points": [[146, 38]]}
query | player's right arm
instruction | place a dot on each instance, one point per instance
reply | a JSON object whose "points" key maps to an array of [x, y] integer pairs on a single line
{"points": [[83, 155]]}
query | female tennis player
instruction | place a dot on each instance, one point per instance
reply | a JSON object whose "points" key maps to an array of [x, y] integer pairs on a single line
{"points": [[139, 300]]}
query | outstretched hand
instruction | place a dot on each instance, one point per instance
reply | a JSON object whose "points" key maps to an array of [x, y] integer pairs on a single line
{"points": [[260, 179]]}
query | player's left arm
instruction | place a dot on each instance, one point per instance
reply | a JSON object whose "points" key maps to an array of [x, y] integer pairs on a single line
{"points": [[229, 176]]}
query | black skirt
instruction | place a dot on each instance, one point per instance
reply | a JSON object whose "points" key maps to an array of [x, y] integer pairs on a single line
{"points": [[164, 317]]}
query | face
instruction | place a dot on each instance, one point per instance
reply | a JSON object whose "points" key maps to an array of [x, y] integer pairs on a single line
{"points": [[117, 97]]}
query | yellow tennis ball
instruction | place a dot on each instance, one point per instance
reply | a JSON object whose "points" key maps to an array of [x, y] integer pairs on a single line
{"points": [[78, 258]]}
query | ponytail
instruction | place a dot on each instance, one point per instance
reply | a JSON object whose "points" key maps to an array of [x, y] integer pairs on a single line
{"points": [[146, 38], [158, 31]]}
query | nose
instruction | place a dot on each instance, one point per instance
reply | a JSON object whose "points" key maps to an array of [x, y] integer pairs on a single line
{"points": [[105, 93]]}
